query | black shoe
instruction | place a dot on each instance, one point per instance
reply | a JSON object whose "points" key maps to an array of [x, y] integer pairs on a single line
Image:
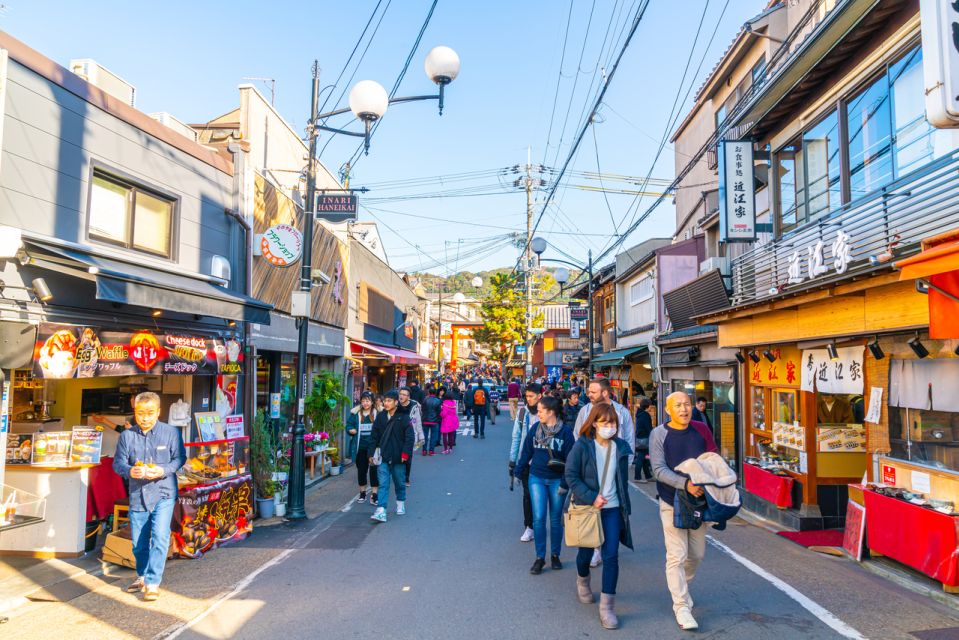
{"points": [[554, 563], [373, 500], [475, 436], [483, 437], [537, 567]]}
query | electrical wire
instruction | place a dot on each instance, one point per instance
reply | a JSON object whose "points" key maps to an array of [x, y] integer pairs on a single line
{"points": [[350, 58]]}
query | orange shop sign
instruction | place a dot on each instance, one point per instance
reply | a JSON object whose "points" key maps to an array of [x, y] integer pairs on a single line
{"points": [[782, 372]]}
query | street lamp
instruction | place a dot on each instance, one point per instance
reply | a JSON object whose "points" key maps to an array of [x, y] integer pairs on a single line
{"points": [[561, 275], [368, 101]]}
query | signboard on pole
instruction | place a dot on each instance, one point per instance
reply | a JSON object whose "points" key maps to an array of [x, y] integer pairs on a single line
{"points": [[338, 207], [520, 349], [737, 191], [940, 61], [574, 330], [578, 314], [282, 245]]}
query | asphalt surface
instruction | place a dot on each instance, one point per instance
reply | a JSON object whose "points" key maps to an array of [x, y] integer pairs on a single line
{"points": [[454, 567]]}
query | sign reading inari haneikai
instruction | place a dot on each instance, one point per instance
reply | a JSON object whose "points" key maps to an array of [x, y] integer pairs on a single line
{"points": [[91, 352], [335, 207]]}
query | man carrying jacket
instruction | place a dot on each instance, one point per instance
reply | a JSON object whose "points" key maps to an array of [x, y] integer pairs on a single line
{"points": [[671, 444], [393, 435], [525, 419]]}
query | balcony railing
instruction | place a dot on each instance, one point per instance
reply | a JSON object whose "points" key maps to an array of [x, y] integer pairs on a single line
{"points": [[885, 226]]}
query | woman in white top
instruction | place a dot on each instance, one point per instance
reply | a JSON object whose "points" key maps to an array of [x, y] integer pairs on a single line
{"points": [[598, 450]]}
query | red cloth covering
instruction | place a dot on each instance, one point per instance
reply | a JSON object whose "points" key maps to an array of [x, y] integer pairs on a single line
{"points": [[105, 489], [921, 538], [768, 486]]}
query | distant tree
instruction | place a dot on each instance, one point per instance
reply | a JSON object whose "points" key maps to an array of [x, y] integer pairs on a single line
{"points": [[504, 317]]}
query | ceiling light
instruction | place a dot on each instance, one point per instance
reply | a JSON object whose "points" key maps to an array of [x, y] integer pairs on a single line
{"points": [[832, 351], [769, 355], [754, 356], [876, 350], [917, 347]]}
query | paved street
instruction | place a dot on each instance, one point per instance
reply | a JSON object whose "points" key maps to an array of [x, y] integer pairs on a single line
{"points": [[454, 567]]}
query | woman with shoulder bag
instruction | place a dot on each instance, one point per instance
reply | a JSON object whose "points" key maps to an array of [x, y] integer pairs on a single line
{"points": [[359, 425], [597, 472], [545, 455]]}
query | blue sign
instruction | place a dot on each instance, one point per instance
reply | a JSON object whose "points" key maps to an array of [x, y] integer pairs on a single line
{"points": [[554, 372], [520, 349]]}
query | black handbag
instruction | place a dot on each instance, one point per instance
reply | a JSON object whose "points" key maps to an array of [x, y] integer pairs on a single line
{"points": [[688, 510], [553, 464]]}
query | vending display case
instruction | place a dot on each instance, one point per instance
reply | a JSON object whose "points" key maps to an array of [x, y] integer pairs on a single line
{"points": [[210, 462], [19, 508]]}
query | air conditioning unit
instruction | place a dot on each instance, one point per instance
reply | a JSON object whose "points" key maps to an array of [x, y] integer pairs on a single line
{"points": [[101, 77], [717, 262], [170, 122]]}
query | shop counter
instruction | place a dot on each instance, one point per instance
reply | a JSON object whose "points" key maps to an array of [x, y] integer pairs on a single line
{"points": [[768, 486], [921, 538]]}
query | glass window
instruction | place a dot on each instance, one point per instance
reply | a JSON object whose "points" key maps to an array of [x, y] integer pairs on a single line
{"points": [[789, 173], [870, 139], [109, 210], [821, 147], [641, 290], [759, 71], [127, 215]]}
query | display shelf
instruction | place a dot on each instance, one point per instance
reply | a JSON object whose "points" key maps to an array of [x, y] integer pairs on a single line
{"points": [[768, 486]]}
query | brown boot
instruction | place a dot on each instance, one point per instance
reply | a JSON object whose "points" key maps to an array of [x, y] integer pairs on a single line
{"points": [[583, 591], [607, 617]]}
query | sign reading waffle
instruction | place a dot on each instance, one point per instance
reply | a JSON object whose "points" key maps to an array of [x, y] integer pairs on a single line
{"points": [[90, 352]]}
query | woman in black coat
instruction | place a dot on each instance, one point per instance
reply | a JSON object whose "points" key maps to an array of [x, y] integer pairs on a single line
{"points": [[598, 450]]}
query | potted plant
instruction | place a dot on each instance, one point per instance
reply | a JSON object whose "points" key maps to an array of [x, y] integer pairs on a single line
{"points": [[263, 462], [324, 408], [279, 497]]}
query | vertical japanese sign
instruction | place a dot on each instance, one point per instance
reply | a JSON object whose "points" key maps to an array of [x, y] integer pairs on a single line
{"points": [[737, 191], [782, 372], [940, 61], [825, 375]]}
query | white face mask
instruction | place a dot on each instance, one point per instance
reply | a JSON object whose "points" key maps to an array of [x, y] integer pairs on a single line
{"points": [[607, 433]]}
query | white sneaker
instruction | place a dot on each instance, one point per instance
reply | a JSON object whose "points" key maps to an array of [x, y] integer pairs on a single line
{"points": [[686, 621], [400, 508], [597, 558], [379, 515], [527, 535]]}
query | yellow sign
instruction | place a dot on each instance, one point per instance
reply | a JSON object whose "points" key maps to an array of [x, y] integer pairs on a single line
{"points": [[783, 372]]}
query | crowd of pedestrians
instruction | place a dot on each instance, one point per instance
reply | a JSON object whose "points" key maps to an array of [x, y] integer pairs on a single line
{"points": [[571, 444]]}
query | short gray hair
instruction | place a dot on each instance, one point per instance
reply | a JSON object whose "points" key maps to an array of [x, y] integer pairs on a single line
{"points": [[147, 396]]}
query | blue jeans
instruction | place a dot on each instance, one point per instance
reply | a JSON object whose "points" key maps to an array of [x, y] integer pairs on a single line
{"points": [[612, 520], [431, 431], [395, 473], [151, 540], [479, 421], [543, 494]]}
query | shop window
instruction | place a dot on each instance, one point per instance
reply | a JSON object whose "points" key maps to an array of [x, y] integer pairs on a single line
{"points": [[641, 290], [808, 171], [924, 412], [869, 139], [129, 215]]}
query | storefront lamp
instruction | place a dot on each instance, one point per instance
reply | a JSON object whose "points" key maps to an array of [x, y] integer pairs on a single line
{"points": [[754, 356], [769, 355], [832, 351], [918, 348], [876, 350], [156, 313], [740, 357]]}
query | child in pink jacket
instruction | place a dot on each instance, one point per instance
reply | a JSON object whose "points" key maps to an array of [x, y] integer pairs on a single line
{"points": [[449, 423]]}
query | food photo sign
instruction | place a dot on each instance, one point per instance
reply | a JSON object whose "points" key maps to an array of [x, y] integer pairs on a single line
{"points": [[89, 352]]}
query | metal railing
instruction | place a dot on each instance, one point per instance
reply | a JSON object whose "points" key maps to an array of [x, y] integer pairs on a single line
{"points": [[884, 226]]}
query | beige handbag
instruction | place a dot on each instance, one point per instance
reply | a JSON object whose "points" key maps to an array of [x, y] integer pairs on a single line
{"points": [[582, 524]]}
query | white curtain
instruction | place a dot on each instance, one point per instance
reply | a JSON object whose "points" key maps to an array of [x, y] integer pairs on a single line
{"points": [[925, 384]]}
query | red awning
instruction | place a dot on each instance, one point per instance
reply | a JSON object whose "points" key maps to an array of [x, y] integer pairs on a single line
{"points": [[938, 264], [393, 354]]}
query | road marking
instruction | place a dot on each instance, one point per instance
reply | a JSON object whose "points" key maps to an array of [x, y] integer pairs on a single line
{"points": [[349, 505], [820, 612]]}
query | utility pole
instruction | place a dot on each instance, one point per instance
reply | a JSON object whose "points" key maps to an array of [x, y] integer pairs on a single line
{"points": [[527, 258]]}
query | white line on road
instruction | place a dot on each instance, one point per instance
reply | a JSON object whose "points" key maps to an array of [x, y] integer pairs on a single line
{"points": [[821, 613]]}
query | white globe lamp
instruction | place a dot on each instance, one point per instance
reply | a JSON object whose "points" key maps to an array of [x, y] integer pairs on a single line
{"points": [[477, 282], [442, 65], [459, 298], [368, 100]]}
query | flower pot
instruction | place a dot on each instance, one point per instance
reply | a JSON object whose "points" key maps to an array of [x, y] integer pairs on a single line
{"points": [[335, 471], [264, 507], [280, 506]]}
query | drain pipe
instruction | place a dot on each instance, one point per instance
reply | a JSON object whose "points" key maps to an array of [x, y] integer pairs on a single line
{"points": [[234, 212]]}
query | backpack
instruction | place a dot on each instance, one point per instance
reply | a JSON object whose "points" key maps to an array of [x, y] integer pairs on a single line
{"points": [[479, 397]]}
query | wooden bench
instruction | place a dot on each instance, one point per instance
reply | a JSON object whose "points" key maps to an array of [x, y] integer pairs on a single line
{"points": [[313, 455]]}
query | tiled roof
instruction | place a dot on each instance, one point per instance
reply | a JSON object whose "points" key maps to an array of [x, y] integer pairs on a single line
{"points": [[555, 316]]}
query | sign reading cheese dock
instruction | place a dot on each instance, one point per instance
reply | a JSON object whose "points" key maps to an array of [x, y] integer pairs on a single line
{"points": [[282, 245]]}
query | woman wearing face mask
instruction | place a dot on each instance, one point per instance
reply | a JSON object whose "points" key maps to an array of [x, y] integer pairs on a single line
{"points": [[597, 472]]}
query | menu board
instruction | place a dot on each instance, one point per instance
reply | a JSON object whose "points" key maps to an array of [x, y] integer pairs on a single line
{"points": [[51, 449], [234, 426], [789, 435], [848, 438], [19, 448], [209, 425], [85, 445], [90, 352]]}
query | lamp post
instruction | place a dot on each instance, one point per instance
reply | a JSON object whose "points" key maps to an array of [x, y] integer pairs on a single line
{"points": [[561, 276], [368, 101]]}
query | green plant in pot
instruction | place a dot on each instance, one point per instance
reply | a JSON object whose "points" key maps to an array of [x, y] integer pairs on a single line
{"points": [[262, 456], [324, 407]]}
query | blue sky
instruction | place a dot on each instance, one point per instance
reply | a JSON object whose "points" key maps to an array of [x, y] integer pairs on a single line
{"points": [[187, 58]]}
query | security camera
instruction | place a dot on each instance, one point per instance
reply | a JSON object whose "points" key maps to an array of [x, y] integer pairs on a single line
{"points": [[319, 277]]}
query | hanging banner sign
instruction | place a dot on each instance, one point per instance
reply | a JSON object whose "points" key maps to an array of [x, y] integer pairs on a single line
{"points": [[282, 245], [211, 516], [89, 352], [335, 207], [782, 372], [574, 330], [578, 314], [825, 375], [737, 191]]}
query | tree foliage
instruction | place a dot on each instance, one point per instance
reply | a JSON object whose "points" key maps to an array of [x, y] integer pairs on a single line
{"points": [[504, 317]]}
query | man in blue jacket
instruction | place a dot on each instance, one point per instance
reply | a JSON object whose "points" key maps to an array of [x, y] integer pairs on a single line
{"points": [[148, 455]]}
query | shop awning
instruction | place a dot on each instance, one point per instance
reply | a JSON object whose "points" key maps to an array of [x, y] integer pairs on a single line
{"points": [[617, 357], [142, 286], [705, 294], [393, 354], [938, 266]]}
